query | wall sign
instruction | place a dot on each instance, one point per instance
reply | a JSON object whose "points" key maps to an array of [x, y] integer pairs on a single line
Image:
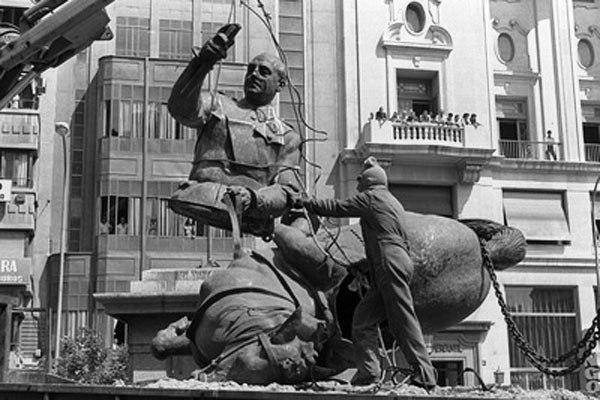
{"points": [[12, 270]]}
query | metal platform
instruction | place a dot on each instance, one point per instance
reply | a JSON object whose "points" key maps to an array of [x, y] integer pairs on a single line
{"points": [[10, 391]]}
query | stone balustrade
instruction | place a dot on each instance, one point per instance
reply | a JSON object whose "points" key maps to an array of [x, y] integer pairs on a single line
{"points": [[414, 133]]}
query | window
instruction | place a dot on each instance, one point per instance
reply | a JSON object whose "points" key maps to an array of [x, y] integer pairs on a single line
{"points": [[425, 199], [585, 52], [175, 39], [133, 36], [291, 38], [506, 47], [119, 215], [415, 17], [548, 319], [162, 221], [513, 129], [591, 139], [11, 15], [124, 114], [540, 216], [16, 166], [415, 93], [163, 125]]}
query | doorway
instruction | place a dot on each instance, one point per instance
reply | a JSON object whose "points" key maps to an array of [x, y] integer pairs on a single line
{"points": [[417, 91], [449, 373]]}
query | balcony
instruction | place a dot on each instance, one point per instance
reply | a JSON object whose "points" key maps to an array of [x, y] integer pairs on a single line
{"points": [[110, 145], [19, 129], [410, 133], [423, 144], [592, 152], [18, 213], [528, 150]]}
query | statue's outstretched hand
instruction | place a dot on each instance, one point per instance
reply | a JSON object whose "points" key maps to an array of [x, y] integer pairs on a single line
{"points": [[221, 42]]}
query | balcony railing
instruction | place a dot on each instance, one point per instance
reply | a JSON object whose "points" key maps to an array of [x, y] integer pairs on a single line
{"points": [[19, 129], [592, 152], [134, 145], [414, 133], [19, 182], [531, 150], [18, 212], [108, 243]]}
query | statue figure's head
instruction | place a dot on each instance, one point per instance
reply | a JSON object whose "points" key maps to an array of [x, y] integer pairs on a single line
{"points": [[372, 175], [264, 79]]}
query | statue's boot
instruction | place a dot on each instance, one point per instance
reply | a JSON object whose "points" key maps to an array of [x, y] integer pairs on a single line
{"points": [[203, 202]]}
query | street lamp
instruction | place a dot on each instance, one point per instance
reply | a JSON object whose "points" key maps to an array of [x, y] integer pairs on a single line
{"points": [[62, 129]]}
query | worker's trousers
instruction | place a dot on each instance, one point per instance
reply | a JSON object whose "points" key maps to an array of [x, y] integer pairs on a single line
{"points": [[390, 299]]}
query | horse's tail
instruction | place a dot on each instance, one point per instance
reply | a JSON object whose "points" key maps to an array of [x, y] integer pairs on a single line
{"points": [[505, 245]]}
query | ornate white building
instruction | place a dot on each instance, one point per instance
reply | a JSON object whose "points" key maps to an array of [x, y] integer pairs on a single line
{"points": [[524, 68]]}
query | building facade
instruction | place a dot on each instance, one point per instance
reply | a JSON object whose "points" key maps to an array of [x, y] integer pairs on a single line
{"points": [[29, 206], [517, 68], [524, 68]]}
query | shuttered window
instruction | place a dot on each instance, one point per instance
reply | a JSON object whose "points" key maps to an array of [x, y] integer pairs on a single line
{"points": [[540, 216]]}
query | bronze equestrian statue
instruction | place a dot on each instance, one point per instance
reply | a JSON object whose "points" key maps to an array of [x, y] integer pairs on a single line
{"points": [[269, 317]]}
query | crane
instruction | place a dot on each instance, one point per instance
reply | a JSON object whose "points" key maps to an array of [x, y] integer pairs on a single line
{"points": [[48, 34]]}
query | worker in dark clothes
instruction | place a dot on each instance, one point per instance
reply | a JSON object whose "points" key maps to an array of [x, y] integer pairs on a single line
{"points": [[381, 219]]}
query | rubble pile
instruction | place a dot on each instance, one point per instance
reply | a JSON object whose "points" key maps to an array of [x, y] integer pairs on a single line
{"points": [[387, 389]]}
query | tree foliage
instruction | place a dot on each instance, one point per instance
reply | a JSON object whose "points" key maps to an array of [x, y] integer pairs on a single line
{"points": [[85, 359]]}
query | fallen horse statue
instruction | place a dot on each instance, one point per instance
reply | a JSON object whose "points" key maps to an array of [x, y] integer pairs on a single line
{"points": [[270, 316]]}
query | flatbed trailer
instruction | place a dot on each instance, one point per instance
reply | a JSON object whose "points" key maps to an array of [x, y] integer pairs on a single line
{"points": [[20, 391]]}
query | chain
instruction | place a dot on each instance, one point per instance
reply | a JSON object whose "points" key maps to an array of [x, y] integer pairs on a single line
{"points": [[540, 361]]}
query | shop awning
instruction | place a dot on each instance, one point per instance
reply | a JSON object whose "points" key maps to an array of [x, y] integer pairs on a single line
{"points": [[539, 215]]}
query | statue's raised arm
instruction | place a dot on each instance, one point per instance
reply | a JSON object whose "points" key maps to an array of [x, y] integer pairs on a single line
{"points": [[186, 104], [244, 151]]}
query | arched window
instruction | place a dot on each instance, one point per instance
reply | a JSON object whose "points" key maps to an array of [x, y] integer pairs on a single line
{"points": [[415, 17], [585, 52], [506, 47]]}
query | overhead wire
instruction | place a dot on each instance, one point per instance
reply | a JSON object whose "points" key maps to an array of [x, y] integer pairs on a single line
{"points": [[295, 96]]}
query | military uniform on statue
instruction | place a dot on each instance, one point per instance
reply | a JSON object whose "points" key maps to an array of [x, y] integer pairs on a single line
{"points": [[243, 149]]}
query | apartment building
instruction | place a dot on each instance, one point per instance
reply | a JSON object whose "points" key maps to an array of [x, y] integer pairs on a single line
{"points": [[522, 68]]}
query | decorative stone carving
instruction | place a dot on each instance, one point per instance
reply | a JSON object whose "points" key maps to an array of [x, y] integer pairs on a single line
{"points": [[435, 40], [520, 62], [469, 171]]}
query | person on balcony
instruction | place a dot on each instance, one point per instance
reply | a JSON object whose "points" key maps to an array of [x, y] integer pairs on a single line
{"points": [[550, 141], [380, 115], [457, 121], [465, 119], [449, 119], [122, 226], [473, 121], [104, 226], [439, 118]]}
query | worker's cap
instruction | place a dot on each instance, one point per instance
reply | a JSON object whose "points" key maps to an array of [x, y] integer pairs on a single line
{"points": [[373, 173]]}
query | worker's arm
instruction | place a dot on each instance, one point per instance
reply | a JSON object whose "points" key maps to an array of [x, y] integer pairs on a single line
{"points": [[356, 206], [185, 103]]}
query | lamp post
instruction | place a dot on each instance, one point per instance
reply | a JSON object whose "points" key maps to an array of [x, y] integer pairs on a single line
{"points": [[62, 129]]}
